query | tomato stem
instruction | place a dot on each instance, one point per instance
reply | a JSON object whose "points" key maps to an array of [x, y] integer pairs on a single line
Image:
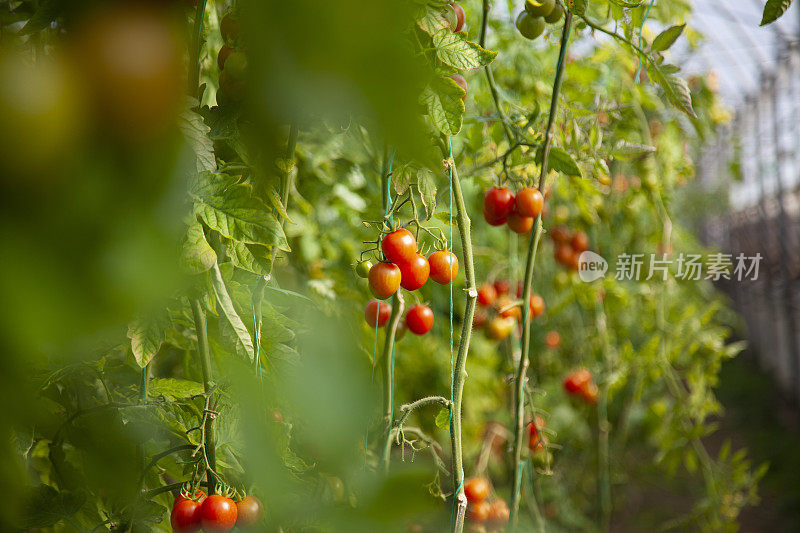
{"points": [[204, 351], [459, 369], [398, 306], [533, 246]]}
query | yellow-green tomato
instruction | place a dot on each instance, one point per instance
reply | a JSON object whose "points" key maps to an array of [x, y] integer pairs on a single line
{"points": [[540, 8], [530, 26], [362, 269], [555, 15]]}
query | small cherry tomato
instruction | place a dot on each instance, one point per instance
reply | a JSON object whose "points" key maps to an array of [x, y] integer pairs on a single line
{"points": [[552, 340], [502, 286], [576, 380], [218, 513], [229, 27], [519, 224], [498, 202], [580, 241], [399, 246], [419, 319], [530, 26], [537, 440], [276, 416], [529, 202], [589, 393], [559, 234], [540, 8], [499, 513], [185, 516], [441, 262], [400, 332], [250, 512], [507, 309], [414, 273], [499, 328], [487, 294], [565, 254], [384, 279], [223, 55], [377, 313], [478, 512], [477, 489], [536, 305], [363, 268], [462, 82]]}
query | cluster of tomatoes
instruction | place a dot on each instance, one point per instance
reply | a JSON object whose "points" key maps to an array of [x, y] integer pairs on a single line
{"points": [[484, 515], [214, 513], [499, 312], [407, 268], [500, 206], [579, 384], [232, 62], [455, 16], [569, 245], [531, 20]]}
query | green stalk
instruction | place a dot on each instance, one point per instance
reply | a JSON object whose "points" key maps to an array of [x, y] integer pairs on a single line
{"points": [[603, 427], [388, 390], [194, 51], [533, 246], [459, 370], [204, 351]]}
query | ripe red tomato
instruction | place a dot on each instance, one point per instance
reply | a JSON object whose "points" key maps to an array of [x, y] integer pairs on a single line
{"points": [[487, 294], [565, 254], [377, 312], [419, 319], [479, 319], [250, 512], [400, 332], [499, 513], [589, 393], [580, 241], [502, 286], [384, 279], [185, 516], [414, 273], [218, 513], [229, 27], [479, 512], [462, 82], [552, 340], [576, 380], [536, 305], [399, 246], [559, 234], [537, 440], [497, 205], [441, 263], [519, 224], [477, 489], [505, 310], [529, 202]]}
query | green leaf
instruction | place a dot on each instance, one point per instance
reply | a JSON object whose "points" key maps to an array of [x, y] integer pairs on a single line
{"points": [[560, 160], [175, 389], [196, 133], [251, 257], [244, 343], [774, 10], [45, 506], [207, 184], [667, 38], [443, 418], [46, 12], [426, 184], [147, 334], [433, 22], [277, 204], [576, 6], [675, 88], [627, 151], [197, 255], [445, 106], [627, 4], [455, 50], [240, 216]]}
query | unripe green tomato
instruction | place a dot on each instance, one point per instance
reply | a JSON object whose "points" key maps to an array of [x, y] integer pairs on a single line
{"points": [[362, 269], [540, 8], [555, 15], [236, 66], [542, 459], [561, 280], [337, 488], [529, 26]]}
